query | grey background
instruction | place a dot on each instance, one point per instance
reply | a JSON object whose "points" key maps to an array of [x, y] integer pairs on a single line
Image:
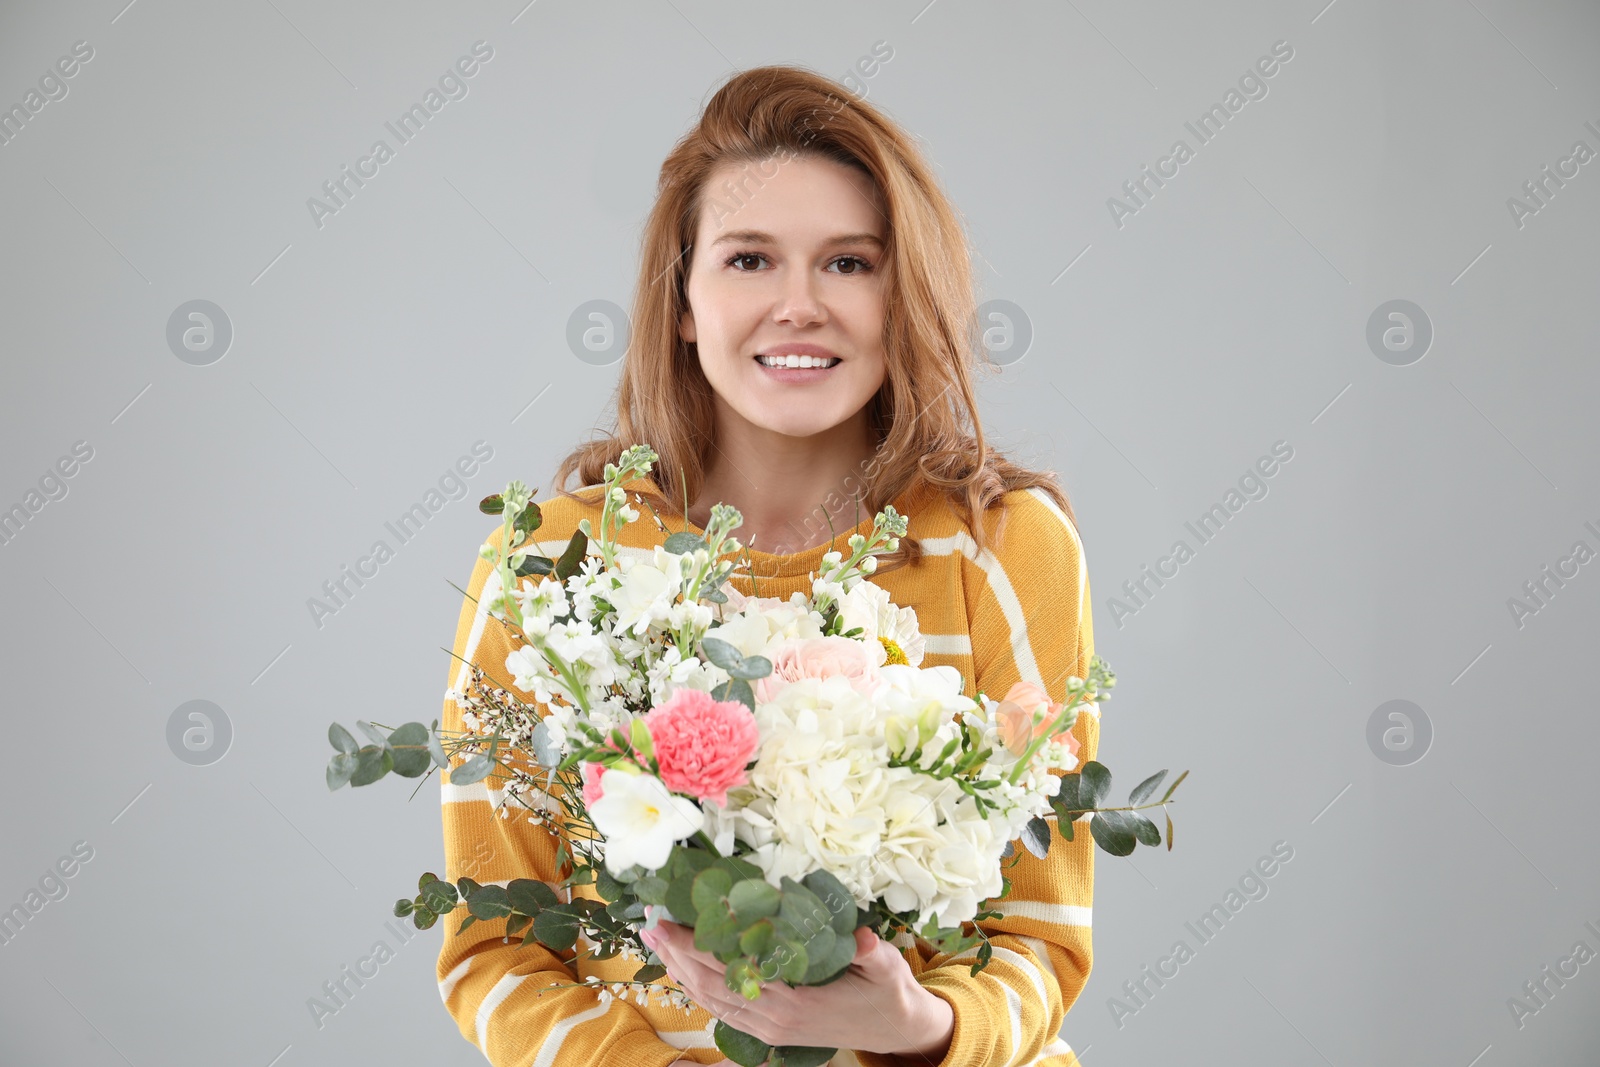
{"points": [[1229, 313]]}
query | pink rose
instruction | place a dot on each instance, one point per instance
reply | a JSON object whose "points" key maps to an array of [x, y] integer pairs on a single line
{"points": [[821, 657], [592, 773], [702, 743], [1015, 718]]}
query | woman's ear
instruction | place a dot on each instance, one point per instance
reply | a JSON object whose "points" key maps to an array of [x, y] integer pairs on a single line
{"points": [[686, 326]]}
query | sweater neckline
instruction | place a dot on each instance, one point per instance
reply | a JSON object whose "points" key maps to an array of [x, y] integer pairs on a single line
{"points": [[769, 565]]}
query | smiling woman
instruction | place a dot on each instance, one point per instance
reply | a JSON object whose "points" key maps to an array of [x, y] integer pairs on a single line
{"points": [[804, 313]]}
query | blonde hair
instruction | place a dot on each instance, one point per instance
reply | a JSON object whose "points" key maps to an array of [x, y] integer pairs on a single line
{"points": [[930, 327]]}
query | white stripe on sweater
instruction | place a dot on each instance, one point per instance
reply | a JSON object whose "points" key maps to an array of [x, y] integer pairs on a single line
{"points": [[502, 989], [947, 644], [551, 1048], [447, 985], [1060, 914]]}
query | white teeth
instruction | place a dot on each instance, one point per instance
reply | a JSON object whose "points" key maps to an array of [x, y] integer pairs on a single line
{"points": [[796, 361]]}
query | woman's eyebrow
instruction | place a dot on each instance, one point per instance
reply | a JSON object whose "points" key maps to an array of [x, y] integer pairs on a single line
{"points": [[762, 237]]}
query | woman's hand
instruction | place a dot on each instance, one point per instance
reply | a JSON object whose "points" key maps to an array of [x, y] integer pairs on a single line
{"points": [[877, 1006]]}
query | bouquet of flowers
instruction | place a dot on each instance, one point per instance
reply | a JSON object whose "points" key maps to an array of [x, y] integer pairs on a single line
{"points": [[772, 773]]}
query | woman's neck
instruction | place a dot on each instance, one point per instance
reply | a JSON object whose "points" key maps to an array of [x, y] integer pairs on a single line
{"points": [[789, 489]]}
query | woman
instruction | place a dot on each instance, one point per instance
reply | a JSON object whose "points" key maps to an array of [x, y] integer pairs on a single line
{"points": [[795, 224]]}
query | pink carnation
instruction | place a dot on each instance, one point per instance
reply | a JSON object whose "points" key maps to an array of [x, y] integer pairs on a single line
{"points": [[592, 791], [702, 743], [821, 657]]}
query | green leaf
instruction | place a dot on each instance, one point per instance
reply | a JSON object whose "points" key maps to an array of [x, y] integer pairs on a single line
{"points": [[468, 921], [752, 667], [1067, 798], [1036, 837], [1112, 832], [493, 504], [557, 927], [1094, 784], [736, 689], [740, 1047], [410, 753], [439, 896], [516, 924], [435, 749], [683, 542], [340, 767], [710, 887], [650, 972], [530, 519], [1143, 829], [403, 907], [340, 738], [1169, 831], [489, 902], [423, 919], [567, 565], [1173, 787], [372, 763], [757, 939], [467, 887], [800, 1056], [475, 769], [722, 653], [530, 896], [374, 734], [1065, 827], [1146, 787], [680, 899], [545, 750], [753, 899], [716, 596], [836, 898], [538, 565], [985, 952]]}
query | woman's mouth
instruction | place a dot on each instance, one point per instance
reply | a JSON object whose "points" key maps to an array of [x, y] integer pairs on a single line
{"points": [[797, 368]]}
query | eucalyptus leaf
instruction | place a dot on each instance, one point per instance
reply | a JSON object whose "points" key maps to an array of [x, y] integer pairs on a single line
{"points": [[683, 542], [536, 565], [545, 750], [740, 1047], [517, 924], [722, 653], [439, 896], [754, 899], [1036, 837], [410, 751], [1143, 829], [1094, 784], [435, 748], [557, 928], [530, 896], [475, 769], [489, 902], [340, 767], [1143, 790], [1113, 832], [375, 735], [751, 668], [1169, 832], [650, 972], [736, 689], [403, 907], [423, 919], [372, 763], [340, 739], [1173, 787]]}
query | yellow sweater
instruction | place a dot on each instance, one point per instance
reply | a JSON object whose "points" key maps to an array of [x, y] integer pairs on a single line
{"points": [[1019, 613]]}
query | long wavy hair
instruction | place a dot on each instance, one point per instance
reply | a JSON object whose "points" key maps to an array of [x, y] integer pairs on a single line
{"points": [[925, 416]]}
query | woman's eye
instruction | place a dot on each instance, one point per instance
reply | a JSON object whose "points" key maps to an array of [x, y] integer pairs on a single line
{"points": [[739, 257], [861, 265]]}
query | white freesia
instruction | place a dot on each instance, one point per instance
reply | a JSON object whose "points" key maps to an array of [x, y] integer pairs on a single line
{"points": [[646, 590], [641, 820]]}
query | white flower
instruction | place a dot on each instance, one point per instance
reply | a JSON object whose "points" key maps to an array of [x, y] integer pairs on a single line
{"points": [[641, 820], [647, 589], [869, 607]]}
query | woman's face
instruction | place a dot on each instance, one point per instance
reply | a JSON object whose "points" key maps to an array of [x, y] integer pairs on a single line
{"points": [[793, 266]]}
